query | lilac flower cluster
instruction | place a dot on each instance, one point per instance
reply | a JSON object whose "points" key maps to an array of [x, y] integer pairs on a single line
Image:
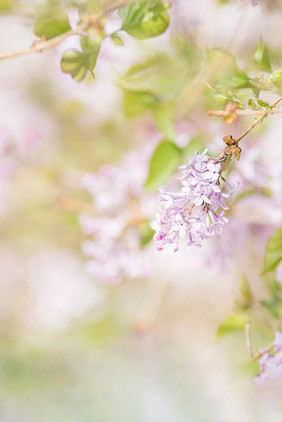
{"points": [[196, 211], [114, 187], [113, 244], [271, 362]]}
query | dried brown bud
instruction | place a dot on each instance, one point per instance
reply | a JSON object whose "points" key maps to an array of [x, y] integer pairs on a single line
{"points": [[229, 140], [234, 150]]}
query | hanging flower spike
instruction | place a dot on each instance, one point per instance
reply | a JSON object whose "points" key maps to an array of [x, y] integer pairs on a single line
{"points": [[197, 211]]}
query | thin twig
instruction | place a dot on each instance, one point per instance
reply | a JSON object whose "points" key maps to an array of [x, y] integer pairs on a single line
{"points": [[221, 113], [88, 20], [248, 340], [260, 355], [249, 345], [39, 46], [77, 206], [257, 121]]}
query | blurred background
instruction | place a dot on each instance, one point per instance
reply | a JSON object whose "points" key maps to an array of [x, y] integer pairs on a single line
{"points": [[73, 346]]}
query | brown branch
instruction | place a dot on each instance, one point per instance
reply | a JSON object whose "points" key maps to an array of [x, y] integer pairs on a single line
{"points": [[260, 355], [222, 113], [88, 20], [249, 345], [77, 206], [39, 46], [248, 340], [257, 121]]}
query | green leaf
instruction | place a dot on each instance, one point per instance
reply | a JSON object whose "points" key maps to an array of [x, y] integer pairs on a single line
{"points": [[156, 75], [273, 285], [229, 76], [163, 115], [275, 79], [273, 253], [146, 233], [51, 22], [163, 163], [262, 103], [233, 79], [5, 5], [77, 63], [250, 368], [223, 57], [223, 96], [238, 80], [144, 19], [232, 324], [136, 103], [252, 105], [90, 6], [273, 307], [246, 299], [262, 57], [117, 40]]}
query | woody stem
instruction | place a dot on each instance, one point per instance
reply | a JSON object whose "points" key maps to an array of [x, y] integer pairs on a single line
{"points": [[257, 121]]}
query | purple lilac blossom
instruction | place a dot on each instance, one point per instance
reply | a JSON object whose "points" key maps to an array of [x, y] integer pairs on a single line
{"points": [[271, 362], [197, 211], [113, 244], [115, 186]]}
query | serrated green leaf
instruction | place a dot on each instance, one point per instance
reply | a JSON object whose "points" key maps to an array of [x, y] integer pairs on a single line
{"points": [[262, 57], [163, 163], [273, 253], [117, 40], [232, 324], [51, 23], [77, 63], [144, 19]]}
